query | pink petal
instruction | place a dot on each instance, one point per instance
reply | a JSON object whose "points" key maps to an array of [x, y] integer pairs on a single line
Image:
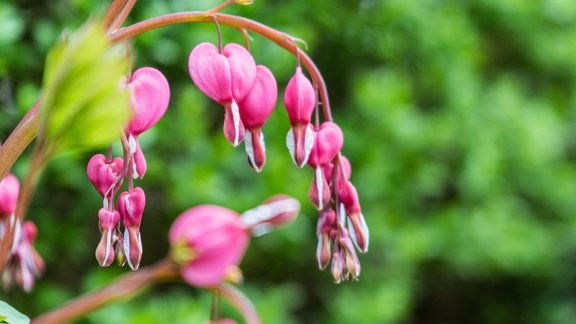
{"points": [[210, 71], [242, 70], [329, 141], [9, 191], [299, 98], [257, 106], [149, 96]]}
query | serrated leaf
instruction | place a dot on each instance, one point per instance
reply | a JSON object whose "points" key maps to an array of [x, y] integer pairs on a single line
{"points": [[9, 314], [85, 104]]}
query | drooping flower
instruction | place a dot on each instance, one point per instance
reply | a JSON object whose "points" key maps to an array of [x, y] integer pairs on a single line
{"points": [[149, 98], [24, 263], [254, 110], [108, 221], [226, 77], [131, 207], [207, 241], [300, 100], [356, 223], [328, 143], [102, 172]]}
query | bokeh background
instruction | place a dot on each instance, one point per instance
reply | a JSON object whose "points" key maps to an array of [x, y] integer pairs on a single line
{"points": [[460, 120]]}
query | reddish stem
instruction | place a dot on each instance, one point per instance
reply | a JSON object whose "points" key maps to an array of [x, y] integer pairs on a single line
{"points": [[283, 40], [128, 284], [112, 12]]}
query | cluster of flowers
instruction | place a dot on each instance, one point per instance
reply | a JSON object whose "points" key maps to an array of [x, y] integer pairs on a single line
{"points": [[248, 94], [209, 241], [24, 263], [149, 98]]}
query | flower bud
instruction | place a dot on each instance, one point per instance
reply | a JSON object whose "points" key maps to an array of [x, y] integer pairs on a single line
{"points": [[356, 225], [300, 100], [102, 173], [206, 241], [108, 221], [149, 97], [131, 207], [24, 263], [326, 221]]}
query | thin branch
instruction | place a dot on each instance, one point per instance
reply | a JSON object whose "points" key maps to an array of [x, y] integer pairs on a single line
{"points": [[283, 40], [121, 17], [241, 302], [127, 285], [112, 12]]}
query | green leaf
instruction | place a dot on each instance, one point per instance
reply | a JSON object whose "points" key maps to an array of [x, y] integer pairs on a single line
{"points": [[10, 315], [85, 104]]}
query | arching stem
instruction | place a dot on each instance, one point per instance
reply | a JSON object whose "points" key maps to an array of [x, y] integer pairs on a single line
{"points": [[283, 40]]}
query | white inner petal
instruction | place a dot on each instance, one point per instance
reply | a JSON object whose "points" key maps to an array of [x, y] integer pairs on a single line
{"points": [[291, 145], [108, 245], [250, 150], [236, 120], [309, 139], [342, 215], [319, 177], [127, 248], [264, 212], [132, 144], [17, 232], [261, 229]]}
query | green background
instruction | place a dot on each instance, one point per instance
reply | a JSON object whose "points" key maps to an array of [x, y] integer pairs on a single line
{"points": [[459, 120]]}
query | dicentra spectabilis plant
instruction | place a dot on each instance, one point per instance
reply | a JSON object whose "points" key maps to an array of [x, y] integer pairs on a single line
{"points": [[92, 98]]}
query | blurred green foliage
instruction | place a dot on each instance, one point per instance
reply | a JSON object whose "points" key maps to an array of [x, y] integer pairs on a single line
{"points": [[459, 119]]}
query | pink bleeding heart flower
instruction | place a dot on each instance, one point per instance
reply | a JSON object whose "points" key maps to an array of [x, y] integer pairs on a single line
{"points": [[326, 222], [24, 263], [108, 221], [9, 191], [300, 100], [329, 141], [102, 172], [131, 207], [207, 241], [255, 109], [226, 77], [356, 225], [149, 97], [276, 211]]}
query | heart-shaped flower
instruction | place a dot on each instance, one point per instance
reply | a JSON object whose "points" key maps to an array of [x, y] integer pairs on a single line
{"points": [[108, 220], [102, 172], [131, 207], [149, 97], [227, 77], [207, 241]]}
